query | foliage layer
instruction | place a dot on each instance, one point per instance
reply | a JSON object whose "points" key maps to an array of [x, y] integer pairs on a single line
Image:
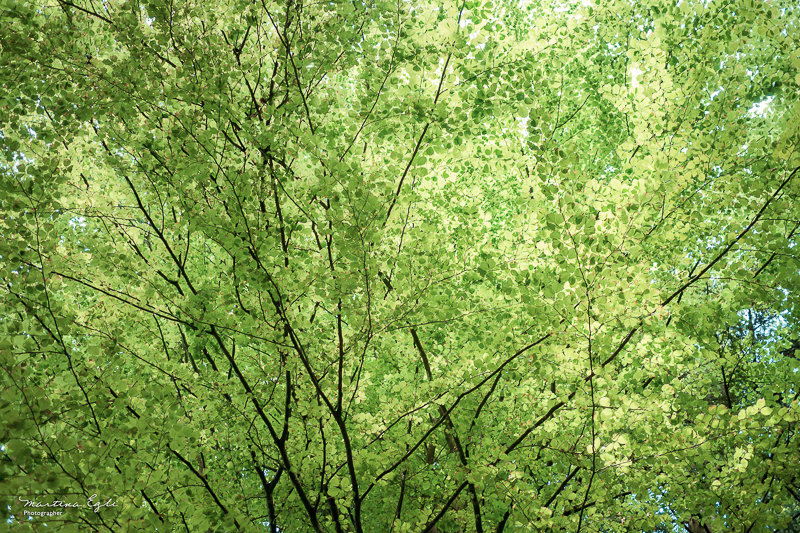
{"points": [[400, 266]]}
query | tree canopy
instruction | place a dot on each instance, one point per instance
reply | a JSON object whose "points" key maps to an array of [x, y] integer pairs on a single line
{"points": [[400, 266]]}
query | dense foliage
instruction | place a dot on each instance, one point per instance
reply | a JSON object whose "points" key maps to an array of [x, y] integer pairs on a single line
{"points": [[376, 266]]}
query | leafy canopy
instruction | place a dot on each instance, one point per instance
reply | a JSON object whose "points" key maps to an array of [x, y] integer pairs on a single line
{"points": [[400, 266]]}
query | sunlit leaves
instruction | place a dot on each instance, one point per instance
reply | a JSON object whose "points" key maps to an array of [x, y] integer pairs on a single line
{"points": [[222, 222]]}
